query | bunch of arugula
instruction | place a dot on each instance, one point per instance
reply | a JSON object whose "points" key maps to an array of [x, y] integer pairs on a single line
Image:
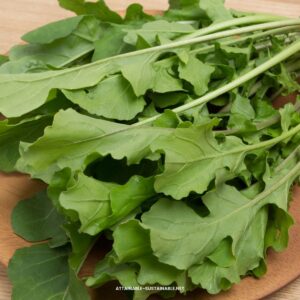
{"points": [[158, 132]]}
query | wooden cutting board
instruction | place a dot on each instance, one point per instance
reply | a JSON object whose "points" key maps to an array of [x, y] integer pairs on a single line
{"points": [[19, 16]]}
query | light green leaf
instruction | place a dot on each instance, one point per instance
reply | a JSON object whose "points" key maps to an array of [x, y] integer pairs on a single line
{"points": [[132, 244], [193, 156], [140, 73], [150, 30], [99, 9], [81, 245], [110, 44], [135, 13], [112, 98], [137, 69], [165, 78], [182, 226], [215, 10], [57, 54], [286, 114], [197, 73], [100, 205], [82, 139], [90, 199]]}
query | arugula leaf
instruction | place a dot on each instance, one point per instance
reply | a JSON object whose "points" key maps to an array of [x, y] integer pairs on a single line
{"points": [[3, 59], [48, 272], [100, 205], [135, 13], [151, 30], [53, 31], [215, 10], [11, 135], [99, 9], [193, 170], [197, 73], [37, 220], [111, 43], [83, 139], [112, 98], [183, 226]]}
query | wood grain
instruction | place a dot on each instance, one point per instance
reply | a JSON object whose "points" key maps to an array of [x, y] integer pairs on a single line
{"points": [[19, 16]]}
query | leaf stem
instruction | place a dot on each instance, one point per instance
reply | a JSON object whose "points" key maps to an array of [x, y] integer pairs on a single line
{"points": [[206, 38], [231, 23], [276, 140], [252, 37], [287, 52]]}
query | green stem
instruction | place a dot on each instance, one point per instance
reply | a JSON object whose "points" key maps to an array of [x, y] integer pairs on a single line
{"points": [[290, 50], [274, 141], [210, 37], [261, 125], [232, 23], [293, 155], [245, 38]]}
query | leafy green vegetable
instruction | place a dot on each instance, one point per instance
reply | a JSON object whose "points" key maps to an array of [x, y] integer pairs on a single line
{"points": [[48, 272], [53, 31], [162, 134], [11, 135], [215, 10], [37, 220], [109, 98], [99, 9]]}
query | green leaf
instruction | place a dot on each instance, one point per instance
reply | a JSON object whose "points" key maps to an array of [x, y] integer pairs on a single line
{"points": [[82, 139], [242, 115], [137, 69], [81, 245], [63, 51], [286, 116], [57, 54], [213, 278], [101, 205], [3, 59], [112, 98], [135, 13], [193, 156], [182, 226], [132, 244], [168, 99], [99, 9], [277, 234], [197, 73], [215, 10], [165, 78], [249, 252], [110, 44], [90, 199], [237, 57], [52, 31], [37, 220], [39, 272], [27, 64], [184, 10], [140, 73], [12, 134], [150, 30]]}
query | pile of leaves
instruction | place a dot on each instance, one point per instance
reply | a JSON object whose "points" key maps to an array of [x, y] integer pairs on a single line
{"points": [[158, 133]]}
